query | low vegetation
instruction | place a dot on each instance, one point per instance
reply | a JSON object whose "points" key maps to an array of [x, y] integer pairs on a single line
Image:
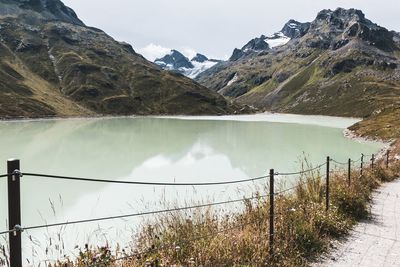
{"points": [[385, 125], [220, 237]]}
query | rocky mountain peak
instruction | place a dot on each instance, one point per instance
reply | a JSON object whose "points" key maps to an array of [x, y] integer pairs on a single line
{"points": [[174, 60], [294, 29], [341, 13], [42, 9], [257, 44], [339, 27], [291, 30], [331, 29], [199, 58], [340, 19], [342, 41]]}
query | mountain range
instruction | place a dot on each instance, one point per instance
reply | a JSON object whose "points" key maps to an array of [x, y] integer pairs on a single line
{"points": [[175, 61], [292, 29], [340, 64], [52, 64]]}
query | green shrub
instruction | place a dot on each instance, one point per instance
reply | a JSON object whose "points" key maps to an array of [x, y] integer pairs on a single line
{"points": [[351, 203]]}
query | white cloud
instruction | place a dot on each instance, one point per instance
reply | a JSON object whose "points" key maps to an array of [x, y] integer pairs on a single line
{"points": [[214, 29], [152, 51]]}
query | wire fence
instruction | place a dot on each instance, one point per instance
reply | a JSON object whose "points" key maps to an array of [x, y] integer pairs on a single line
{"points": [[298, 185], [145, 213], [145, 183], [15, 174], [83, 179], [155, 184], [7, 231], [300, 172], [356, 161], [340, 163]]}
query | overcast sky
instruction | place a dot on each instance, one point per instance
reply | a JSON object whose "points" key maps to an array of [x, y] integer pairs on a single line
{"points": [[211, 27]]}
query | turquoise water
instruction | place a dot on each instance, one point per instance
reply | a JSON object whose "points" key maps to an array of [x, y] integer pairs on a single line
{"points": [[186, 149]]}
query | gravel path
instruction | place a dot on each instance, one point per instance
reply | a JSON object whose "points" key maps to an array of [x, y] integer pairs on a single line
{"points": [[375, 242]]}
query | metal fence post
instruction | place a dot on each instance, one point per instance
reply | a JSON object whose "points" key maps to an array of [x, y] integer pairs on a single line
{"points": [[362, 163], [387, 159], [349, 172], [372, 161], [271, 213], [14, 212], [327, 182]]}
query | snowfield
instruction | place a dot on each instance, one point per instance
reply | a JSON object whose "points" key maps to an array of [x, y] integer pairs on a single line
{"points": [[198, 68], [278, 39]]}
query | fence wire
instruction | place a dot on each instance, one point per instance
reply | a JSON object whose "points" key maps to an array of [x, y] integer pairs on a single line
{"points": [[139, 214], [144, 183], [85, 179], [300, 172], [299, 185], [340, 163], [7, 232]]}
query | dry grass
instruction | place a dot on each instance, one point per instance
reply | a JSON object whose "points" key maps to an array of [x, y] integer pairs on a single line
{"points": [[221, 237], [382, 126]]}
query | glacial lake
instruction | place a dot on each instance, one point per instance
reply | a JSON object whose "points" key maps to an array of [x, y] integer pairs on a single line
{"points": [[168, 149]]}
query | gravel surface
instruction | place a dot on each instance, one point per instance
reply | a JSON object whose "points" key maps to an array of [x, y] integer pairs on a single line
{"points": [[375, 242]]}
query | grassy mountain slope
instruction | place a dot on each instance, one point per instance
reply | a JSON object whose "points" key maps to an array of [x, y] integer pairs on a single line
{"points": [[51, 64], [343, 65]]}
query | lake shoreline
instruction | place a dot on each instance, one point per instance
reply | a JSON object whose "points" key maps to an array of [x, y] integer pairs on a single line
{"points": [[388, 145], [391, 144], [239, 117], [177, 116], [290, 118]]}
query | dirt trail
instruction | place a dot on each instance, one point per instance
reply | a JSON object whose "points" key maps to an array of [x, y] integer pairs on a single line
{"points": [[375, 242]]}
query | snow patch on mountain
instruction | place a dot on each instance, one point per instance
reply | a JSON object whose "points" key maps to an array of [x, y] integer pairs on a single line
{"points": [[200, 67], [233, 80], [278, 39], [291, 30]]}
